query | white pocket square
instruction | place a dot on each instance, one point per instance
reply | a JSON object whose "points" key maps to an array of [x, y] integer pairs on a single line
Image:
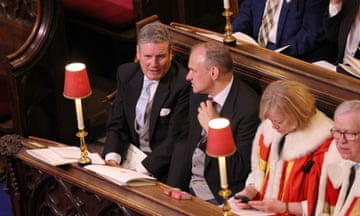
{"points": [[165, 111]]}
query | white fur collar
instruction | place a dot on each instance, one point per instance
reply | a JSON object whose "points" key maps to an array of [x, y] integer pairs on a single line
{"points": [[318, 131], [338, 169], [294, 147]]}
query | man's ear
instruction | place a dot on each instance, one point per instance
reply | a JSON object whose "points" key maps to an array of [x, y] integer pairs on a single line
{"points": [[171, 53], [214, 72], [137, 53]]}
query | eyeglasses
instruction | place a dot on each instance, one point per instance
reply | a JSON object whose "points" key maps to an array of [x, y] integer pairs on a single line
{"points": [[347, 135]]}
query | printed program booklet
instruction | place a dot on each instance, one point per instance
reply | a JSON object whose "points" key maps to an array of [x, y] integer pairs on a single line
{"points": [[57, 156], [122, 176]]}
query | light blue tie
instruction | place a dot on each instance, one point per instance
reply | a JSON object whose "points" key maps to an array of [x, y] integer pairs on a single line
{"points": [[142, 103]]}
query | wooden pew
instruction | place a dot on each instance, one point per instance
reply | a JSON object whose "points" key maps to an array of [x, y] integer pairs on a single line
{"points": [[40, 189], [32, 56], [259, 66]]}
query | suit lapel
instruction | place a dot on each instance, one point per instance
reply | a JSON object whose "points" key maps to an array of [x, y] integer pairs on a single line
{"points": [[282, 19], [133, 90], [195, 131], [161, 94], [227, 110]]}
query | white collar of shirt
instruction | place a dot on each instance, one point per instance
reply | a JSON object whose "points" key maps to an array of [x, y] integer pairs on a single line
{"points": [[334, 9], [153, 87], [221, 97]]}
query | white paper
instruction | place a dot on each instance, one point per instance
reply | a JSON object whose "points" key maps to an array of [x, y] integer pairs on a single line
{"points": [[325, 64], [244, 37], [211, 36], [279, 50], [354, 63], [62, 155], [66, 151], [122, 176], [48, 156], [241, 37], [73, 152], [133, 158], [350, 70]]}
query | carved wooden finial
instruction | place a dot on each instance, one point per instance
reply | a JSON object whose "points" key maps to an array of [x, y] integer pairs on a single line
{"points": [[10, 144]]}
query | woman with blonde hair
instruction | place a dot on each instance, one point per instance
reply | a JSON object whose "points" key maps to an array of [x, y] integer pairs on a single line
{"points": [[288, 151]]}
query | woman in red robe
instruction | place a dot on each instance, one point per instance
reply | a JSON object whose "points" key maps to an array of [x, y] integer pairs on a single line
{"points": [[288, 151]]}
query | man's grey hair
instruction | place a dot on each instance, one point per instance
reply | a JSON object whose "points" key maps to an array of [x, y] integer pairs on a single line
{"points": [[155, 32], [352, 106]]}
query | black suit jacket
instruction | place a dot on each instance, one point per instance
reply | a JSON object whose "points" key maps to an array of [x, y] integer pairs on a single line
{"points": [[172, 93], [337, 28], [241, 108]]}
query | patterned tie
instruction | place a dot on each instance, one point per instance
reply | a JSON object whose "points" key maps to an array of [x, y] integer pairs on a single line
{"points": [[267, 22], [214, 103], [203, 137], [142, 103]]}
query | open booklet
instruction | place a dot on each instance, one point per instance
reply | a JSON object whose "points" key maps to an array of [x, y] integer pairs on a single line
{"points": [[62, 155], [122, 176], [240, 37], [351, 65]]}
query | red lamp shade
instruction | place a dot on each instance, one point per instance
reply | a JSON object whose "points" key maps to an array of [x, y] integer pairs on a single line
{"points": [[76, 84], [220, 141]]}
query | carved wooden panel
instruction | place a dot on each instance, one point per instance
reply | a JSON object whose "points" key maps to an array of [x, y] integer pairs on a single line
{"points": [[17, 19], [32, 60]]}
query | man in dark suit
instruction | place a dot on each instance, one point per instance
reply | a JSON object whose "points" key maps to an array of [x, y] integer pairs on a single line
{"points": [[297, 23], [154, 126], [211, 75], [342, 25]]}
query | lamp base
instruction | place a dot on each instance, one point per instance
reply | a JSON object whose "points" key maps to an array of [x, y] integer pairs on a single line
{"points": [[229, 42], [229, 39], [84, 159], [225, 193]]}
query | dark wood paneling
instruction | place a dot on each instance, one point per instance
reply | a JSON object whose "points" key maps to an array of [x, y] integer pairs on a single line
{"points": [[34, 68], [260, 66]]}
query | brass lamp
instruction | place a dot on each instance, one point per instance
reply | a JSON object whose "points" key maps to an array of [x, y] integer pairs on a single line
{"points": [[229, 39], [77, 87], [220, 144]]}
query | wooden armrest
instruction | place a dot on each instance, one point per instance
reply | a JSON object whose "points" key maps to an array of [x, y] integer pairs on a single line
{"points": [[109, 99], [145, 21]]}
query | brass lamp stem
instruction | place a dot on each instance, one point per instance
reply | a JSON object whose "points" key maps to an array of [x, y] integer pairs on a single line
{"points": [[229, 39], [84, 158], [225, 193]]}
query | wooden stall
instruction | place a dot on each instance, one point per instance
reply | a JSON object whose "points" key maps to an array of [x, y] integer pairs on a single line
{"points": [[259, 66], [32, 56], [37, 188]]}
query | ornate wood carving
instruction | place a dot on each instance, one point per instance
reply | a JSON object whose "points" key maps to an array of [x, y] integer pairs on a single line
{"points": [[37, 188], [49, 195], [32, 59], [20, 10], [10, 144]]}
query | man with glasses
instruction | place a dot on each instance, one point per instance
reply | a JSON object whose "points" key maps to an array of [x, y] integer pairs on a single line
{"points": [[339, 191]]}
